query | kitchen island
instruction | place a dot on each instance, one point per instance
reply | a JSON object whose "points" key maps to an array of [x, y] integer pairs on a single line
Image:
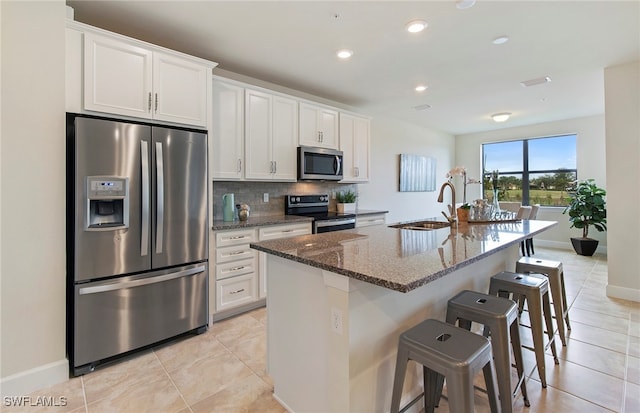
{"points": [[338, 301]]}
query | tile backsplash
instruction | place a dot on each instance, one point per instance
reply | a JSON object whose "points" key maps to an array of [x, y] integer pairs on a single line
{"points": [[251, 193]]}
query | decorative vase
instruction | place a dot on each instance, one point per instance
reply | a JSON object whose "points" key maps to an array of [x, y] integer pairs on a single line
{"points": [[584, 246], [463, 214], [495, 205], [342, 208]]}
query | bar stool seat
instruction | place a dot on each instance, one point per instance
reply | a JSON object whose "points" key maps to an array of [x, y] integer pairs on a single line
{"points": [[553, 271], [449, 351], [535, 290], [500, 319]]}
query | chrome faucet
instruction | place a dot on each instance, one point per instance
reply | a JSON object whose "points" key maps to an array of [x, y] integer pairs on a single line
{"points": [[452, 208]]}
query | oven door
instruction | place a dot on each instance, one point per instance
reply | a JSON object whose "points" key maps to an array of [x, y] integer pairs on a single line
{"points": [[328, 225]]}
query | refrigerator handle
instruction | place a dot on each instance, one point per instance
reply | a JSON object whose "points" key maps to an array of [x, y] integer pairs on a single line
{"points": [[112, 286], [160, 196], [144, 235]]}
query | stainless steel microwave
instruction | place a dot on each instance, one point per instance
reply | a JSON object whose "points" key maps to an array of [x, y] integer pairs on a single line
{"points": [[319, 164]]}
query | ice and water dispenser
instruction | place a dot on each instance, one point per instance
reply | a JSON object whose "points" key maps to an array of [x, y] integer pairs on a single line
{"points": [[107, 203]]}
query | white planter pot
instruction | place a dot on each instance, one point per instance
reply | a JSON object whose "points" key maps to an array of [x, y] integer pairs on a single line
{"points": [[342, 208]]}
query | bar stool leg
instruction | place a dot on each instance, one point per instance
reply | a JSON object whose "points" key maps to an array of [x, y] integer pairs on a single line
{"points": [[564, 302], [537, 331], [500, 333], [559, 310], [549, 322], [398, 380], [517, 354], [432, 384], [460, 391], [491, 380]]}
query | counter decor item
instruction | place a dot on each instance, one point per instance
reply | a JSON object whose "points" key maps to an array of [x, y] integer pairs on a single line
{"points": [[243, 211], [228, 206], [462, 171], [346, 201], [587, 206], [463, 213]]}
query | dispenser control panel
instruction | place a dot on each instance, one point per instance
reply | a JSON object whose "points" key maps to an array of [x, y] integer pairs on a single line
{"points": [[107, 188]]}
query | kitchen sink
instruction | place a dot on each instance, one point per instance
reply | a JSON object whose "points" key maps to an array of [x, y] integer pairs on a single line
{"points": [[422, 225]]}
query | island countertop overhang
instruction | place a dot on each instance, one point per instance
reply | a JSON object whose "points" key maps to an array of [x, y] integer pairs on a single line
{"points": [[402, 259]]}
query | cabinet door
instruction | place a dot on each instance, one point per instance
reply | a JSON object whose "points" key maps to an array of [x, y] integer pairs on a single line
{"points": [[258, 159], [226, 155], [354, 143], [309, 128], [328, 128], [117, 77], [284, 138], [180, 90]]}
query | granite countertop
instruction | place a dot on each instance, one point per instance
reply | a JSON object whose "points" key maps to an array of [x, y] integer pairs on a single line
{"points": [[219, 224], [402, 259]]}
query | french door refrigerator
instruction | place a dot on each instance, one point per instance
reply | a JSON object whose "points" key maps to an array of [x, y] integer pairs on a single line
{"points": [[137, 238]]}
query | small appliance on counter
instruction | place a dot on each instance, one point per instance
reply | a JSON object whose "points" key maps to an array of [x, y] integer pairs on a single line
{"points": [[317, 207]]}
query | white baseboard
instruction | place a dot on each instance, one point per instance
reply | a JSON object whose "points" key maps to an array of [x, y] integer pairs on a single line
{"points": [[41, 377], [623, 293], [602, 249]]}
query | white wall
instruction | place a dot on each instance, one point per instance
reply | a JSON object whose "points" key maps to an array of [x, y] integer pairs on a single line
{"points": [[32, 184], [590, 163], [622, 113], [389, 139]]}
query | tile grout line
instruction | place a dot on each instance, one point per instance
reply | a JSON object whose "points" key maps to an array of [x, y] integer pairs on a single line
{"points": [[84, 395], [171, 380]]}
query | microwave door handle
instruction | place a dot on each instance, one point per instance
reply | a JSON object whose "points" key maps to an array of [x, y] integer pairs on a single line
{"points": [[338, 165]]}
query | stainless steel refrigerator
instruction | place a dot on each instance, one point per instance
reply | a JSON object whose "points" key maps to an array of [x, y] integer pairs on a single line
{"points": [[137, 237]]}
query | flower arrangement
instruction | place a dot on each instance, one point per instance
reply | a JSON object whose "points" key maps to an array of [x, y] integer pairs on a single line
{"points": [[462, 171]]}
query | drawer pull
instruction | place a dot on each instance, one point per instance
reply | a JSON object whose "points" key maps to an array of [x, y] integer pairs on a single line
{"points": [[236, 252], [237, 268], [288, 230], [238, 237], [236, 291]]}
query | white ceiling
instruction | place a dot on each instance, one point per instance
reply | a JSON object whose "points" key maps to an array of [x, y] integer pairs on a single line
{"points": [[293, 44]]}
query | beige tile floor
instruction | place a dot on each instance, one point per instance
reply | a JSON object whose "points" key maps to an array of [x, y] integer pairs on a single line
{"points": [[223, 370]]}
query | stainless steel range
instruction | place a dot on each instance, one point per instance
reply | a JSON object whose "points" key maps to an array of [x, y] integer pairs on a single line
{"points": [[317, 207]]}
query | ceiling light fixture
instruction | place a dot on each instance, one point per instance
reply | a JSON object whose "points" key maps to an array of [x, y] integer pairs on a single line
{"points": [[416, 26], [500, 40], [501, 117], [422, 107], [537, 81], [344, 53], [465, 4], [421, 88]]}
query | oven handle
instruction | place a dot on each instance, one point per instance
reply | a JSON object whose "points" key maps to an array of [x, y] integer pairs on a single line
{"points": [[334, 222]]}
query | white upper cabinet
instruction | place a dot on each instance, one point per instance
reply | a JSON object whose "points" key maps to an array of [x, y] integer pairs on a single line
{"points": [[318, 126], [270, 136], [180, 90], [125, 77], [355, 145], [226, 150]]}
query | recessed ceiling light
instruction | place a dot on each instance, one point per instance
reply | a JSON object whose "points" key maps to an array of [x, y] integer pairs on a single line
{"points": [[344, 53], [421, 88], [422, 107], [465, 4], [501, 117], [537, 81], [500, 40], [416, 26]]}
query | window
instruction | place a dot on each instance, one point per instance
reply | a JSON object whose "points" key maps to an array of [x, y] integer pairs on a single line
{"points": [[531, 171]]}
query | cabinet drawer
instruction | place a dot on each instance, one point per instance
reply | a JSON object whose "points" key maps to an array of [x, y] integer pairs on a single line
{"points": [[284, 231], [235, 291], [232, 269], [234, 253], [369, 220], [227, 238]]}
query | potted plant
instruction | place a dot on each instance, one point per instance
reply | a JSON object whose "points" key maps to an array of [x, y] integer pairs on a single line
{"points": [[587, 207], [346, 201]]}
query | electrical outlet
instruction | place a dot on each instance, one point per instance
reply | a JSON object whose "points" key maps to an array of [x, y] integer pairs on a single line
{"points": [[333, 195], [265, 197], [336, 321]]}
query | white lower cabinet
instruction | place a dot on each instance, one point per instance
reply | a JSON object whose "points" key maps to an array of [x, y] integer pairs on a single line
{"points": [[240, 272], [369, 220], [277, 232]]}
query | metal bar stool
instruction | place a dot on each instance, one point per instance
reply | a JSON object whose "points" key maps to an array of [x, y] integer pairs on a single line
{"points": [[500, 319], [449, 351], [535, 290], [553, 271]]}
